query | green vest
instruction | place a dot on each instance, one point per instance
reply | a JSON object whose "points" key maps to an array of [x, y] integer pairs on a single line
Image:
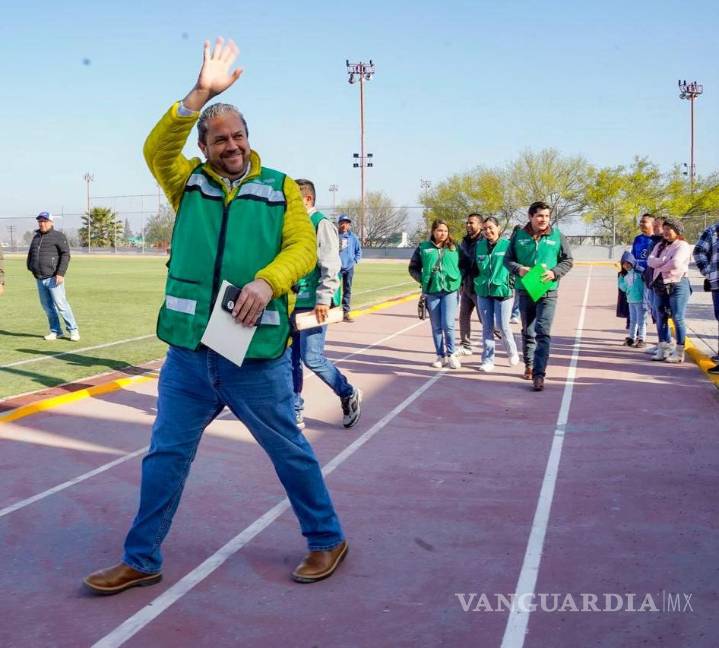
{"points": [[213, 241], [440, 268], [307, 286], [530, 252], [494, 279]]}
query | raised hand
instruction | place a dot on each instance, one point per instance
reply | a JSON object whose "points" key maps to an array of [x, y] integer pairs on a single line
{"points": [[216, 74]]}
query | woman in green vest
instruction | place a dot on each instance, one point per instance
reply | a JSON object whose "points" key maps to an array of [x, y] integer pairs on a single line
{"points": [[495, 294], [435, 265]]}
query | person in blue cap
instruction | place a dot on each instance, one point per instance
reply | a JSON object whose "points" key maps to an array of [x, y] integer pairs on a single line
{"points": [[350, 255]]}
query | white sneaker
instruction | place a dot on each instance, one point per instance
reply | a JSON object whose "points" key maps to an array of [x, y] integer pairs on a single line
{"points": [[677, 355], [664, 350], [464, 351], [75, 335], [438, 363], [51, 336], [652, 349], [486, 367], [514, 320], [514, 360], [454, 362]]}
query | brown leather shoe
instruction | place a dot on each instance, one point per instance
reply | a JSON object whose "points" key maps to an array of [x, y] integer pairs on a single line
{"points": [[527, 373], [118, 578], [538, 382], [320, 564], [348, 318]]}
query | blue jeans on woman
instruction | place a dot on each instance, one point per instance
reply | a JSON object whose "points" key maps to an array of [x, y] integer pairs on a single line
{"points": [[442, 310], [54, 301], [194, 387], [308, 348], [676, 305], [496, 314]]}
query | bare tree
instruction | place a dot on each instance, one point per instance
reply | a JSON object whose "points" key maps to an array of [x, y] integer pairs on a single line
{"points": [[383, 221]]}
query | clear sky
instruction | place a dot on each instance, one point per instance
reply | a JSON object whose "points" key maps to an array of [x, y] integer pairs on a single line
{"points": [[457, 84]]}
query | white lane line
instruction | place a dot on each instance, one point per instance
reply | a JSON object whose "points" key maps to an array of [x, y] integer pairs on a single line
{"points": [[76, 480], [152, 610], [516, 629], [75, 352], [229, 415], [404, 283]]}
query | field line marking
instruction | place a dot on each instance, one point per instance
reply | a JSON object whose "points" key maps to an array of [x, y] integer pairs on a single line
{"points": [[75, 352], [516, 629], [365, 292], [132, 625], [76, 480]]}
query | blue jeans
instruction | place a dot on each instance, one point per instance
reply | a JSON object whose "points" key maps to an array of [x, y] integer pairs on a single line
{"points": [[442, 309], [308, 348], [193, 389], [537, 318], [637, 320], [495, 314], [674, 306], [54, 302], [515, 306], [347, 276]]}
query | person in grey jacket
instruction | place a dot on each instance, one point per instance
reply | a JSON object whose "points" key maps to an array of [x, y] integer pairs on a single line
{"points": [[48, 259], [316, 293]]}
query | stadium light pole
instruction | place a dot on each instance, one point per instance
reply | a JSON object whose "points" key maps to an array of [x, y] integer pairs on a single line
{"points": [[333, 188], [691, 91], [361, 72], [88, 177]]}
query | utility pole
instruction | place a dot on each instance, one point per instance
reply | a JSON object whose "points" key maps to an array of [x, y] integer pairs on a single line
{"points": [[11, 229], [88, 177], [691, 91], [361, 72], [333, 189]]}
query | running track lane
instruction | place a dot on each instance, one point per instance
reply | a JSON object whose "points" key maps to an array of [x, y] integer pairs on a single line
{"points": [[438, 502]]}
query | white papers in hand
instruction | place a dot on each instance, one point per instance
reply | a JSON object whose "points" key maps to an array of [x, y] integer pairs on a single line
{"points": [[230, 339]]}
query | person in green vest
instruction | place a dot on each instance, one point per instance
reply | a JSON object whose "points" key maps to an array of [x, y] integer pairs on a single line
{"points": [[493, 286], [435, 265], [316, 292], [538, 243], [245, 223]]}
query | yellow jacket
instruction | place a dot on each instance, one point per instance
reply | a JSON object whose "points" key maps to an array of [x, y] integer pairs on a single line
{"points": [[171, 169]]}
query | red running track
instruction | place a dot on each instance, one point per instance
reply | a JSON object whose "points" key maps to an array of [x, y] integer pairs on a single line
{"points": [[437, 491]]}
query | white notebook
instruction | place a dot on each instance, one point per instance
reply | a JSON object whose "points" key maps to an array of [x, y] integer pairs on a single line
{"points": [[228, 338]]}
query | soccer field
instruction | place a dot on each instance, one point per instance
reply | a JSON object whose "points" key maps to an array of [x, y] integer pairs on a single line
{"points": [[115, 301]]}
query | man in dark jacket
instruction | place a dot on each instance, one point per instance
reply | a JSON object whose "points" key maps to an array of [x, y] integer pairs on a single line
{"points": [[48, 259], [468, 268]]}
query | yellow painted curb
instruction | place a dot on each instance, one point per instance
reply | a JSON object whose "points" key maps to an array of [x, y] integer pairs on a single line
{"points": [[385, 304], [702, 361], [55, 401]]}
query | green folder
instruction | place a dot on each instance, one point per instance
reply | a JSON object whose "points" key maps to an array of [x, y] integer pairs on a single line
{"points": [[533, 284]]}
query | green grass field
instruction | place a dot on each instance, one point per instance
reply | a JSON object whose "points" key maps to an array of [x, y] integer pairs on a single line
{"points": [[114, 299]]}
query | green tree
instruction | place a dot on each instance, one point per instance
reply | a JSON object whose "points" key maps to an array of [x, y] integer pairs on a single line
{"points": [[105, 228], [487, 191], [382, 219], [158, 230], [546, 175]]}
